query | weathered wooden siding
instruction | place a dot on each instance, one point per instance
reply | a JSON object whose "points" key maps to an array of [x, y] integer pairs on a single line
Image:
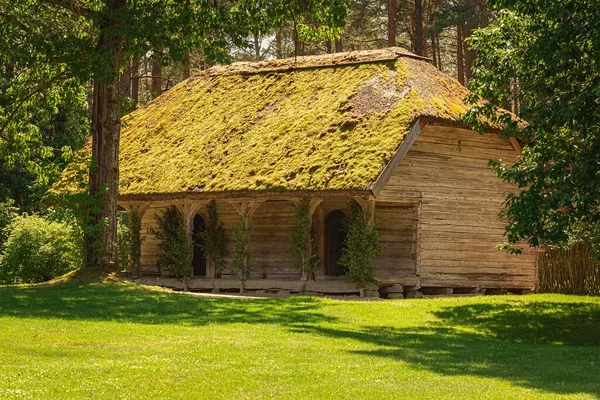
{"points": [[150, 251], [270, 228], [446, 172], [397, 227]]}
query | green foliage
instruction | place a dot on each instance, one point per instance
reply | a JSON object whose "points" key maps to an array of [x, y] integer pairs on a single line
{"points": [[173, 240], [300, 240], [361, 247], [37, 250], [123, 241], [542, 56], [213, 239], [242, 262], [129, 240], [136, 239], [44, 114], [8, 212]]}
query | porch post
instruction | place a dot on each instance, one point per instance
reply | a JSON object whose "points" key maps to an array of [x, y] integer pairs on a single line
{"points": [[246, 210], [188, 210], [312, 207]]}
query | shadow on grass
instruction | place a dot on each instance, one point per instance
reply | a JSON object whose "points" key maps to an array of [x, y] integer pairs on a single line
{"points": [[128, 303], [549, 346]]}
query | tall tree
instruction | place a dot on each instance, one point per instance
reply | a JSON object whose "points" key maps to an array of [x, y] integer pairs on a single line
{"points": [[103, 34], [550, 50], [43, 109], [392, 23]]}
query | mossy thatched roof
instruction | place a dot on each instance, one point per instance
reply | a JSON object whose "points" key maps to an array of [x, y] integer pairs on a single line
{"points": [[316, 123]]}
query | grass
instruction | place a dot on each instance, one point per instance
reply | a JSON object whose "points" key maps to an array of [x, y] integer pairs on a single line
{"points": [[106, 339]]}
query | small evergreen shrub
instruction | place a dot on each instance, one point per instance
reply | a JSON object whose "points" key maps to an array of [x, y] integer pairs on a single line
{"points": [[361, 247], [38, 250], [300, 241], [173, 240], [123, 241], [129, 240], [242, 262], [212, 239]]}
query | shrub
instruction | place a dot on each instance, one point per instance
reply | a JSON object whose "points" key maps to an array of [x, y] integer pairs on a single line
{"points": [[123, 241], [361, 247], [300, 241], [212, 239], [8, 212], [173, 240], [242, 262], [37, 250]]}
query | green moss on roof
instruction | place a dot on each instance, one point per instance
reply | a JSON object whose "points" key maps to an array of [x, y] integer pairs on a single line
{"points": [[329, 125]]}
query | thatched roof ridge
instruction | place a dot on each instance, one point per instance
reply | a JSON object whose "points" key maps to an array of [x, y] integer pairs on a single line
{"points": [[318, 123], [308, 62]]}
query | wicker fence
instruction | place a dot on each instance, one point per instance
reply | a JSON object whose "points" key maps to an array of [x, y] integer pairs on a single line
{"points": [[569, 271]]}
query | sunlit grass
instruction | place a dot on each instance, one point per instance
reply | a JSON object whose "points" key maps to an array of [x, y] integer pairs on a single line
{"points": [[82, 338]]}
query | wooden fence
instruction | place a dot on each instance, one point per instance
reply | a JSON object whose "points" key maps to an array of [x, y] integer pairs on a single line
{"points": [[569, 271]]}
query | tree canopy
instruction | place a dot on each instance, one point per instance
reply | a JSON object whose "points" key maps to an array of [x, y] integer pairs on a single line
{"points": [[541, 58]]}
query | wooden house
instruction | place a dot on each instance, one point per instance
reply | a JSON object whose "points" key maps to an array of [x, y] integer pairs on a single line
{"points": [[382, 128]]}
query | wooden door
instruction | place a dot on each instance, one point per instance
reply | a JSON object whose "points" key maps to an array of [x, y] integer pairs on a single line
{"points": [[335, 236]]}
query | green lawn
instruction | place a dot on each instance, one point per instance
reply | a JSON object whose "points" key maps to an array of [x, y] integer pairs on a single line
{"points": [[114, 340]]}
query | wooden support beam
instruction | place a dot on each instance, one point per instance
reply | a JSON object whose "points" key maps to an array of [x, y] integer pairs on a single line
{"points": [[393, 164], [189, 210], [516, 145]]}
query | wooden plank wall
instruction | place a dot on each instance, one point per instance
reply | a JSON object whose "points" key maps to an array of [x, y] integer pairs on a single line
{"points": [[446, 171], [150, 251], [397, 227], [270, 228]]}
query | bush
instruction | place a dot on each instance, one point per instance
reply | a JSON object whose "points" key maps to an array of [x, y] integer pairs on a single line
{"points": [[361, 247], [8, 212], [123, 241], [37, 250], [172, 236], [129, 240], [300, 241]]}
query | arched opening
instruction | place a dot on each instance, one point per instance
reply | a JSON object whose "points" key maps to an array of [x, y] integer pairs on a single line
{"points": [[199, 258], [335, 236]]}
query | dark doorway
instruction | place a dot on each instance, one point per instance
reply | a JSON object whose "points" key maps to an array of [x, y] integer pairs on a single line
{"points": [[335, 236], [199, 260]]}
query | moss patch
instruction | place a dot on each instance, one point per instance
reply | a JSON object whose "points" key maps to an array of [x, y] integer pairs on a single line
{"points": [[330, 127]]}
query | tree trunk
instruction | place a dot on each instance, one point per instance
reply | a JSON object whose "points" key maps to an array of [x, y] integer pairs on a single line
{"points": [[338, 45], [439, 52], [419, 35], [125, 82], [460, 63], [187, 70], [278, 42], [257, 46], [101, 241], [469, 54], [156, 78], [135, 81], [434, 53], [392, 22]]}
